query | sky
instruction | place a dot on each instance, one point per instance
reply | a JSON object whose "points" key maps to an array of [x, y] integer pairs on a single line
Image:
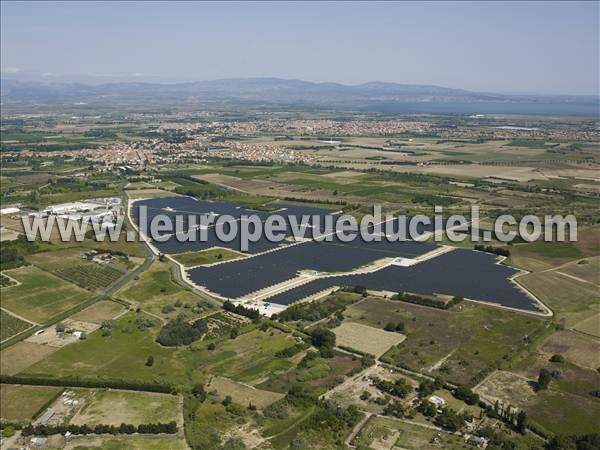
{"points": [[509, 47]]}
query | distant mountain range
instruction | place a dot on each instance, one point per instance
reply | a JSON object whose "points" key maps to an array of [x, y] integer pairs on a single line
{"points": [[281, 93]]}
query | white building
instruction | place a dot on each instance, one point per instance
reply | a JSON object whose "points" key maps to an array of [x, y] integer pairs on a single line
{"points": [[439, 402]]}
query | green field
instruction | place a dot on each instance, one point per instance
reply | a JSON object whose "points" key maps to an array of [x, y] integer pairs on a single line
{"points": [[248, 358], [113, 407], [10, 325], [155, 289], [570, 299], [121, 356], [209, 256], [41, 295], [23, 402], [566, 407], [319, 375]]}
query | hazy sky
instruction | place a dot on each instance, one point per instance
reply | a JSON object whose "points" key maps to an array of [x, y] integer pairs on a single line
{"points": [[543, 47]]}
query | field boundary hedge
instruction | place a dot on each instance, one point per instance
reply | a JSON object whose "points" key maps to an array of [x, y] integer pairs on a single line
{"points": [[86, 383]]}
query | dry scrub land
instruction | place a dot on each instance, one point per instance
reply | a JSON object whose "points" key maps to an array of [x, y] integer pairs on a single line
{"points": [[113, 407], [242, 393], [461, 344]]}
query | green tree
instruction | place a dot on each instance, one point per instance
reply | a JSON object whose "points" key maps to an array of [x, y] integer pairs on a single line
{"points": [[322, 337], [521, 425], [544, 379]]}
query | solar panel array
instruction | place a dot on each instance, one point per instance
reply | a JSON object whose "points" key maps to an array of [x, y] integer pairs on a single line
{"points": [[460, 272]]}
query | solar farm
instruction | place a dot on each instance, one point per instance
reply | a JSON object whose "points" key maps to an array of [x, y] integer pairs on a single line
{"points": [[274, 275]]}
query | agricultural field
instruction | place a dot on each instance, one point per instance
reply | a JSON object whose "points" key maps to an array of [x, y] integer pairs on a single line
{"points": [[210, 256], [90, 276], [71, 266], [366, 339], [576, 348], [437, 344], [21, 403], [99, 312], [570, 299], [113, 407], [590, 326], [21, 355], [41, 295], [10, 325]]}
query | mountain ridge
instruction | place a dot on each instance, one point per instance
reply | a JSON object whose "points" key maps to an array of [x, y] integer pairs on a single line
{"points": [[269, 91]]}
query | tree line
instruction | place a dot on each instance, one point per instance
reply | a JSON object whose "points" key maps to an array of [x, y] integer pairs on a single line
{"points": [[494, 250], [124, 428], [250, 313], [426, 301], [77, 382]]}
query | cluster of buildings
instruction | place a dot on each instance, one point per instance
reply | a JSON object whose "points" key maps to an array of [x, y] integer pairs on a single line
{"points": [[208, 134], [96, 210], [513, 132]]}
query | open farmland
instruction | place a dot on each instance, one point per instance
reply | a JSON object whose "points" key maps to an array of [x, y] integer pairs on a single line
{"points": [[21, 355], [590, 326], [40, 295], [10, 325], [366, 339], [69, 265], [24, 402], [91, 276], [99, 312], [579, 349], [570, 299], [113, 407]]}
